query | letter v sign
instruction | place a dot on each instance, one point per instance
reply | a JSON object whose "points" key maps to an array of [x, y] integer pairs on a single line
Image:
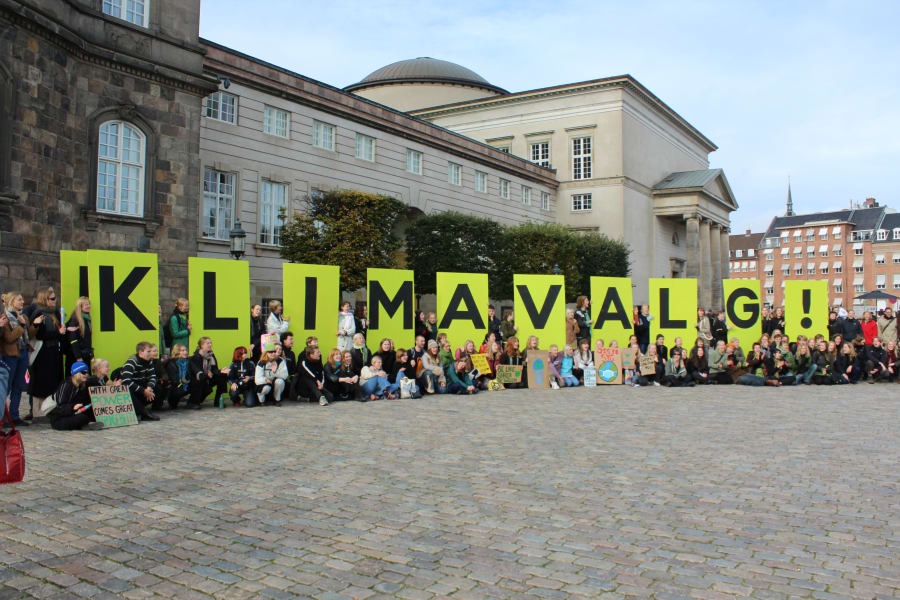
{"points": [[539, 319]]}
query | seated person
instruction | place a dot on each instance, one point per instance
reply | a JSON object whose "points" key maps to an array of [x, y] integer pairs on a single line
{"points": [[269, 377], [458, 379], [241, 378], [139, 374], [205, 375], [177, 374], [312, 378], [73, 401], [339, 377], [374, 381]]}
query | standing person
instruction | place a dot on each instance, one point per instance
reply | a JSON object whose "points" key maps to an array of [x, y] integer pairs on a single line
{"points": [[869, 328], [177, 373], [46, 369], [572, 328], [179, 325], [205, 375], [887, 326], [835, 326], [257, 328], [276, 323], [165, 336], [312, 378], [642, 327], [493, 324], [676, 371], [269, 377], [432, 327], [78, 330], [346, 327], [764, 319], [362, 320], [508, 327], [139, 375], [241, 374], [704, 328], [719, 327], [876, 362], [583, 317], [72, 402], [852, 327], [17, 333]]}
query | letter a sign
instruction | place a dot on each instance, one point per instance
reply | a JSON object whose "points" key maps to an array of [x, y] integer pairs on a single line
{"points": [[124, 302]]}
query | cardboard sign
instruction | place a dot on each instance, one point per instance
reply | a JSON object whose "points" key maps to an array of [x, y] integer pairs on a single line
{"points": [[112, 406], [539, 374], [268, 341], [628, 358], [509, 373], [609, 365], [648, 365], [590, 377], [480, 362], [219, 293]]}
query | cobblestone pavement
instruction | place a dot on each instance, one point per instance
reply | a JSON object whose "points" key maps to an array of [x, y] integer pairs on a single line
{"points": [[588, 493]]}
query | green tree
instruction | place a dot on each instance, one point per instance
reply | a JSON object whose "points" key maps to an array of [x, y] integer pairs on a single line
{"points": [[598, 256], [347, 228], [451, 242]]}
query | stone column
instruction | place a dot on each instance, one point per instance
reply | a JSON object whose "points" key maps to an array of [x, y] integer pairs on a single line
{"points": [[715, 240], [725, 250], [705, 282], [692, 248]]}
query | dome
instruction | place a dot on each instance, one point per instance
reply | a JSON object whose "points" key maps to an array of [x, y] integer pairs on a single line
{"points": [[424, 70]]}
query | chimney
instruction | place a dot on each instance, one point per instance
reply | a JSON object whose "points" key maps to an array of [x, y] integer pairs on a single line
{"points": [[748, 233], [870, 202]]}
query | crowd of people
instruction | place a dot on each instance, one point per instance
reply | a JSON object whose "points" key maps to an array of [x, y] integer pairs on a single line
{"points": [[51, 359]]}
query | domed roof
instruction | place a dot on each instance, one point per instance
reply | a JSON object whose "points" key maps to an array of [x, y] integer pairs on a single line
{"points": [[424, 70]]}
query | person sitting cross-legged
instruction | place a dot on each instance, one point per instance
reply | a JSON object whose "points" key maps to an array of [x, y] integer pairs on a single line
{"points": [[73, 402], [139, 374], [374, 381], [204, 374], [312, 377]]}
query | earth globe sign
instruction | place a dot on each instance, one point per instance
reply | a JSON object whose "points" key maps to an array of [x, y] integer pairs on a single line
{"points": [[608, 371]]}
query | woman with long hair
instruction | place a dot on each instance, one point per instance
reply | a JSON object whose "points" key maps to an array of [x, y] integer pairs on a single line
{"points": [[582, 316], [47, 367], [270, 376], [433, 370], [845, 367], [179, 325], [512, 356], [177, 373], [241, 375], [257, 328], [18, 333], [79, 333], [388, 355], [346, 327], [697, 365]]}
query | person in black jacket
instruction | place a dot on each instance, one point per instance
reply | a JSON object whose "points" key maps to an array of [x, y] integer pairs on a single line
{"points": [[388, 355], [419, 324], [493, 324], [139, 375], [339, 377], [845, 366], [362, 356], [292, 386], [72, 399], [852, 328], [241, 375], [177, 375], [257, 328], [78, 331], [719, 328], [312, 377], [698, 366], [583, 317], [876, 362], [661, 349], [204, 374], [642, 326], [835, 326]]}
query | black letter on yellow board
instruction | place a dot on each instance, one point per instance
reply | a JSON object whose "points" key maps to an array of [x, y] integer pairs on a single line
{"points": [[750, 307], [83, 281], [618, 313], [309, 318], [379, 299], [110, 297], [462, 295], [664, 321], [539, 319], [210, 321]]}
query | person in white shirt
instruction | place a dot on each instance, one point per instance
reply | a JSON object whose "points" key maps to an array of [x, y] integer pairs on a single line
{"points": [[277, 323]]}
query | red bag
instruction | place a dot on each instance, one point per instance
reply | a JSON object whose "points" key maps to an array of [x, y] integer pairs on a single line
{"points": [[12, 452]]}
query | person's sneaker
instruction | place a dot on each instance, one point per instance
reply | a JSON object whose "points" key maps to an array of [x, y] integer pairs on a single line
{"points": [[554, 385], [21, 423], [323, 401], [94, 425], [656, 383]]}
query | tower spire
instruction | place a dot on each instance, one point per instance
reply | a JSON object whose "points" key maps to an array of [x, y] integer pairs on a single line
{"points": [[790, 201]]}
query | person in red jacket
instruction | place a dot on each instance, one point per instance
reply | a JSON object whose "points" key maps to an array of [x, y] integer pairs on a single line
{"points": [[869, 328]]}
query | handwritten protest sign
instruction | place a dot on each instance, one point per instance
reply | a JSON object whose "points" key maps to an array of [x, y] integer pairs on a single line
{"points": [[539, 374], [590, 377], [609, 365], [268, 341], [627, 358], [480, 362], [509, 373], [112, 406], [648, 365]]}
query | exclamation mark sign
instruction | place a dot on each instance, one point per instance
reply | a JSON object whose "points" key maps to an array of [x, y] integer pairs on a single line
{"points": [[806, 322]]}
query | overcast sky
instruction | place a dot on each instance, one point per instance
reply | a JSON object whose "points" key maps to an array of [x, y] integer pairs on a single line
{"points": [[806, 89]]}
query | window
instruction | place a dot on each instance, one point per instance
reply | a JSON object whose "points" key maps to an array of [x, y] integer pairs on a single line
{"points": [[750, 253], [798, 269], [276, 121], [785, 234], [810, 234], [454, 174], [823, 250], [859, 288], [836, 232], [365, 147], [857, 250], [503, 149], [738, 253], [540, 154], [135, 10], [880, 259], [810, 251], [545, 202], [798, 251], [811, 268], [858, 269], [837, 250], [582, 202], [218, 204], [272, 212], [222, 107], [526, 195], [121, 151], [413, 162], [838, 286], [769, 256], [880, 282], [863, 236], [823, 233], [785, 251], [897, 281], [797, 235], [838, 268], [882, 234], [480, 181], [897, 233], [896, 259], [504, 189], [823, 268], [785, 270], [323, 135], [581, 158]]}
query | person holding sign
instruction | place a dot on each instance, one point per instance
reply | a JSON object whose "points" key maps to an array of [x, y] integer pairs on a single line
{"points": [[205, 374], [271, 373], [73, 402], [512, 356]]}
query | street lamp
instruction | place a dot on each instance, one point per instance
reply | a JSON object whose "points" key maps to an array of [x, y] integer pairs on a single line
{"points": [[556, 270], [237, 236]]}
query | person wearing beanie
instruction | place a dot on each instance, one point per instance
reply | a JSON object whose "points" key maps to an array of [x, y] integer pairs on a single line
{"points": [[73, 401]]}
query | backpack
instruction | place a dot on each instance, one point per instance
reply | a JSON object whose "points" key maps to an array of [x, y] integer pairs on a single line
{"points": [[167, 333]]}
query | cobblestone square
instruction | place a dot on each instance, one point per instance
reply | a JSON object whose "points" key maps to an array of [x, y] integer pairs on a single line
{"points": [[611, 492]]}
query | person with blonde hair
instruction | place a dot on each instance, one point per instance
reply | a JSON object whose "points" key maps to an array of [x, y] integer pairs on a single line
{"points": [[177, 374], [205, 375], [277, 323], [15, 343], [179, 324], [79, 333]]}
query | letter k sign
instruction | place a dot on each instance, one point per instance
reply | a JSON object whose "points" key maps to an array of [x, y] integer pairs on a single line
{"points": [[110, 297]]}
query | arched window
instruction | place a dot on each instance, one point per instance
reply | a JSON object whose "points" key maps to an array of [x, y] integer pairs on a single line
{"points": [[121, 156]]}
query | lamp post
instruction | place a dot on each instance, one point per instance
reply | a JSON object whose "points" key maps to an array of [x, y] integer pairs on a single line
{"points": [[237, 235], [556, 270]]}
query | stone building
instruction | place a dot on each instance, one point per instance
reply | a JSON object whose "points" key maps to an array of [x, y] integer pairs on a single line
{"points": [[99, 128]]}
